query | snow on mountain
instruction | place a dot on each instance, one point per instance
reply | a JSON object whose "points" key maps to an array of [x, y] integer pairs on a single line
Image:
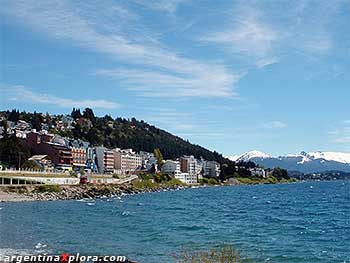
{"points": [[249, 155], [331, 156], [305, 162]]}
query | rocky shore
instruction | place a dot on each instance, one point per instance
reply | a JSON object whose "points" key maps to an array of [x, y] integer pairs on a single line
{"points": [[73, 192]]}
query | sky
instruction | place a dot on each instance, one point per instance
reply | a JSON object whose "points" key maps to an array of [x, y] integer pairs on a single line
{"points": [[232, 76]]}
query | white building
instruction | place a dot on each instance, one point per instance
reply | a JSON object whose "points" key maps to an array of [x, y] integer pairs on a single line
{"points": [[190, 165], [148, 160], [259, 172], [171, 167], [186, 178], [126, 161]]}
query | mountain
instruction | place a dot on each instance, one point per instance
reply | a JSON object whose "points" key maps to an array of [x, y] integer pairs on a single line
{"points": [[249, 155], [305, 162]]}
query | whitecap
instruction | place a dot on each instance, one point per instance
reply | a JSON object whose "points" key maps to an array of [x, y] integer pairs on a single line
{"points": [[39, 246], [126, 213], [90, 203]]}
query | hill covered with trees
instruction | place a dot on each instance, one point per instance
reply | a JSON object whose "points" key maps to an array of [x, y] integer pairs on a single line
{"points": [[119, 132]]}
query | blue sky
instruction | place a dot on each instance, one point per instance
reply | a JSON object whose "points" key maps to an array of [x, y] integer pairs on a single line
{"points": [[230, 75]]}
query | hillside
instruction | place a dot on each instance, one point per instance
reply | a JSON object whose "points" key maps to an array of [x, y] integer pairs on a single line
{"points": [[112, 133]]}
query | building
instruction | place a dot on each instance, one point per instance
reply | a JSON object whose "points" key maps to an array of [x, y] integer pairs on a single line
{"points": [[171, 167], [108, 161], [186, 178], [190, 165], [91, 165], [104, 160], [41, 144], [145, 158], [126, 161], [79, 157], [258, 172], [211, 169]]}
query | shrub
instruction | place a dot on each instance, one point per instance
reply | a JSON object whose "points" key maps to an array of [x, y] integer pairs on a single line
{"points": [[174, 182], [49, 188], [145, 184], [225, 254], [212, 181]]}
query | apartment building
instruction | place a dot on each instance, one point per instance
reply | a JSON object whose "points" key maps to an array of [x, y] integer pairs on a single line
{"points": [[79, 157], [104, 160], [171, 167], [190, 165], [126, 161], [211, 169]]}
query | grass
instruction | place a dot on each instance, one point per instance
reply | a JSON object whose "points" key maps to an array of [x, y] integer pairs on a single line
{"points": [[174, 182], [49, 188], [145, 184], [268, 180]]}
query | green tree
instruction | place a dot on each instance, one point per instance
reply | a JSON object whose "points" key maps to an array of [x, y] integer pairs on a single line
{"points": [[89, 114], [159, 156], [75, 113], [32, 165], [280, 173], [12, 152]]}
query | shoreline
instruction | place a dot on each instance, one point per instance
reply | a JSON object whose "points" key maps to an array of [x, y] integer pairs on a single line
{"points": [[75, 192], [45, 192]]}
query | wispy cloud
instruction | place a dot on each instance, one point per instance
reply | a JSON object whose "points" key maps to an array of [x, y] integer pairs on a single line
{"points": [[263, 35], [58, 20], [25, 95], [162, 84], [169, 6], [274, 125], [266, 62], [341, 133], [246, 34]]}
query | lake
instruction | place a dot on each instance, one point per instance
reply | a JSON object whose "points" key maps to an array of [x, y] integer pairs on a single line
{"points": [[301, 222]]}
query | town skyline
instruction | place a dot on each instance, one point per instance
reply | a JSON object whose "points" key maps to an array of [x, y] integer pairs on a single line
{"points": [[230, 76]]}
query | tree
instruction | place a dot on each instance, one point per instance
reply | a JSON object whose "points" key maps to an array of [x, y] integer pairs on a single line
{"points": [[12, 152], [13, 115], [89, 114], [159, 156], [36, 121], [280, 173], [5, 127], [31, 165], [75, 113]]}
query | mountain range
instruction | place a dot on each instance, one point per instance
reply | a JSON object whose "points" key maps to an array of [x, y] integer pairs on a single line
{"points": [[304, 162]]}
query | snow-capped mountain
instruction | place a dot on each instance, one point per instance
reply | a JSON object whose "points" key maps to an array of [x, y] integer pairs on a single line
{"points": [[303, 162], [249, 155]]}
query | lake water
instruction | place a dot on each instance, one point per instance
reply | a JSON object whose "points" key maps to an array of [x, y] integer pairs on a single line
{"points": [[302, 222]]}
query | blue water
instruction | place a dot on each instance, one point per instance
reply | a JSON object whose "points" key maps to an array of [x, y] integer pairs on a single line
{"points": [[302, 222]]}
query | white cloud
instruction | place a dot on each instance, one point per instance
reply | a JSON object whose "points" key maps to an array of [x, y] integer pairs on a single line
{"points": [[169, 6], [262, 35], [341, 133], [25, 95], [274, 125], [161, 84], [247, 35], [266, 62], [58, 20]]}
